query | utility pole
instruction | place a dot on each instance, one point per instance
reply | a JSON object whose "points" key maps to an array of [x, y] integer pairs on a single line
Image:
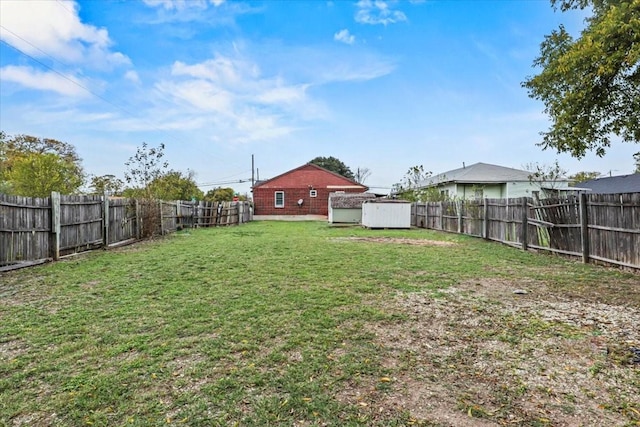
{"points": [[253, 181]]}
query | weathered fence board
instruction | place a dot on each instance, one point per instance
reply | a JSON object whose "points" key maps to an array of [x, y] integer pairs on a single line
{"points": [[123, 220], [600, 227], [25, 225], [614, 228], [81, 223], [33, 229]]}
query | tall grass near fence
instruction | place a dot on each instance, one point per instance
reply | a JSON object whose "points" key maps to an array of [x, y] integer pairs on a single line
{"points": [[36, 229], [600, 227]]}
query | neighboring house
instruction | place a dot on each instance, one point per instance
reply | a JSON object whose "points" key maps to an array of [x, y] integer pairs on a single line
{"points": [[347, 207], [301, 191], [482, 180], [612, 184]]}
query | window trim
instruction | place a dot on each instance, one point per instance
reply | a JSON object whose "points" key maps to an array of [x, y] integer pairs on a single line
{"points": [[275, 199]]}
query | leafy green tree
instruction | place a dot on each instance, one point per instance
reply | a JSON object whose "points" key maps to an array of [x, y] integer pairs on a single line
{"points": [[5, 187], [38, 174], [43, 156], [175, 185], [583, 176], [219, 194], [143, 168], [590, 85], [108, 184], [334, 165]]}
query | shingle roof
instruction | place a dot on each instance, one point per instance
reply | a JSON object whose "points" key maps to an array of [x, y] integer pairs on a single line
{"points": [[479, 173], [613, 184], [345, 180], [349, 200]]}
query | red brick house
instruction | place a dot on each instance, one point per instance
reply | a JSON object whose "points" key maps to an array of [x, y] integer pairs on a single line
{"points": [[301, 191]]}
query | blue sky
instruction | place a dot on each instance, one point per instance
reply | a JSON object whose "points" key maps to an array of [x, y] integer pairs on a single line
{"points": [[383, 85]]}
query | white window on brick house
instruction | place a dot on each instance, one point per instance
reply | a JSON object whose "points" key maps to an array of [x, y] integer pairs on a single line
{"points": [[279, 195], [313, 193]]}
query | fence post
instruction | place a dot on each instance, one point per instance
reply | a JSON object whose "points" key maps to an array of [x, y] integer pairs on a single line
{"points": [[524, 236], [441, 214], [584, 227], [55, 225], [485, 219], [425, 223], [138, 220], [178, 214], [194, 214], [460, 206], [160, 213], [105, 218]]}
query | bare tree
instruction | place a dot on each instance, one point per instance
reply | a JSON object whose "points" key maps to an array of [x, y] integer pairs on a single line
{"points": [[144, 167], [546, 177], [362, 174]]}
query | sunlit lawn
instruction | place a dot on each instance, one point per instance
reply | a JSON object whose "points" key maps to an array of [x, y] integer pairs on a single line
{"points": [[256, 325]]}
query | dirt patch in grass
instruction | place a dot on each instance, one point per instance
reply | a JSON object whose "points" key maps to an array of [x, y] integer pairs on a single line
{"points": [[396, 240], [11, 349], [480, 354]]}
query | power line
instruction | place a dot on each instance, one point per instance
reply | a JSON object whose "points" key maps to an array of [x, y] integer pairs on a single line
{"points": [[213, 184], [70, 79], [33, 46], [75, 82]]}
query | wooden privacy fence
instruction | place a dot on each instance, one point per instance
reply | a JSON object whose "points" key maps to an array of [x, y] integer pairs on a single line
{"points": [[34, 230], [602, 227]]}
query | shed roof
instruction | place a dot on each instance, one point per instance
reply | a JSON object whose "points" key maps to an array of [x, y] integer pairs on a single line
{"points": [[388, 201], [349, 200], [613, 184]]}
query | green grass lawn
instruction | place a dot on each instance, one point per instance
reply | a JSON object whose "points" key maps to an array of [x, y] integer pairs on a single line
{"points": [[303, 324]]}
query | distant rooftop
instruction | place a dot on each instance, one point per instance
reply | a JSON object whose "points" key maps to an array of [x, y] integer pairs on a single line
{"points": [[612, 184], [479, 173]]}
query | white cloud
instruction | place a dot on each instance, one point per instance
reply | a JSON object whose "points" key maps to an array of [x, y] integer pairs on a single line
{"points": [[376, 12], [199, 94], [44, 28], [182, 4], [132, 76], [236, 98], [283, 94], [344, 36], [367, 67], [177, 4], [233, 80], [49, 81]]}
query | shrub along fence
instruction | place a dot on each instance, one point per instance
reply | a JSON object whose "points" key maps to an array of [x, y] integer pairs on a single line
{"points": [[601, 227], [34, 230]]}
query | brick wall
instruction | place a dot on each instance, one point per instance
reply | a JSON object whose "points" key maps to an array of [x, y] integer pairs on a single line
{"points": [[296, 185], [264, 201]]}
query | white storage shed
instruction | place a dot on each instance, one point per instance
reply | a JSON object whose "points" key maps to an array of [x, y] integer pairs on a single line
{"points": [[386, 213], [347, 207]]}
